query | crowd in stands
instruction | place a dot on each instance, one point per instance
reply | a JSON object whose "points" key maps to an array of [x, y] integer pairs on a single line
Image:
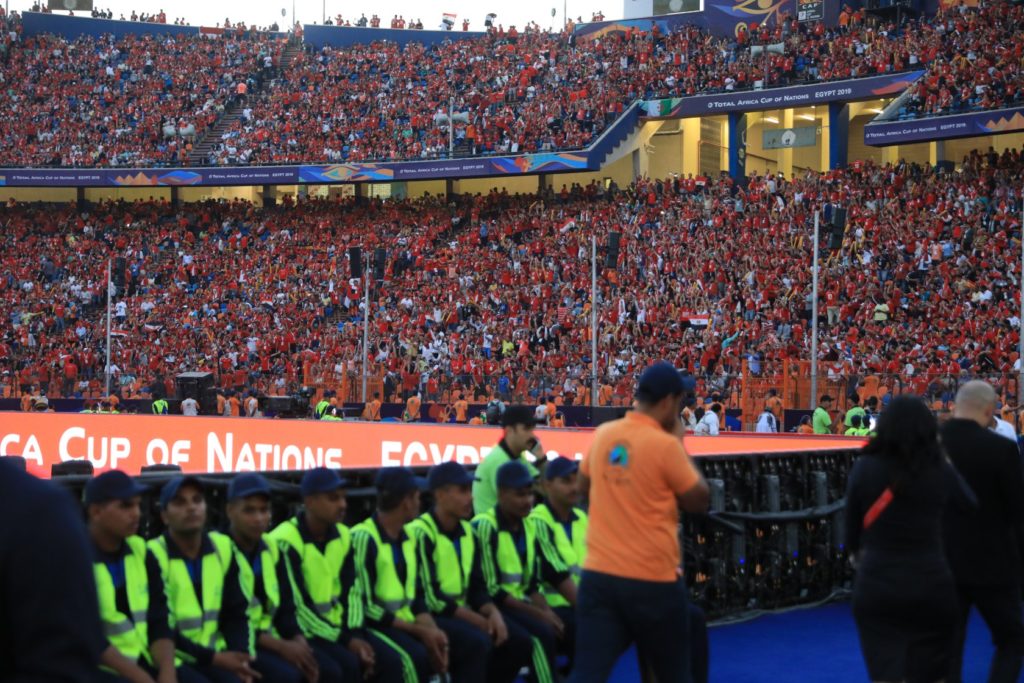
{"points": [[511, 91], [120, 102], [491, 295]]}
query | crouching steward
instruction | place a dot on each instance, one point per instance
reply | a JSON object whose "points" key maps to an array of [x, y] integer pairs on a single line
{"points": [[483, 647], [208, 610], [516, 560], [385, 559], [316, 549]]}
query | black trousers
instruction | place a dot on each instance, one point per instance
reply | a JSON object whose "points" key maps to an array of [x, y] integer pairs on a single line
{"points": [[468, 650], [186, 674], [614, 612], [543, 643], [1000, 607]]}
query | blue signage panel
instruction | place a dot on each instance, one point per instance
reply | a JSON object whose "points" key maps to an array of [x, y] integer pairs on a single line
{"points": [[783, 98], [944, 127]]}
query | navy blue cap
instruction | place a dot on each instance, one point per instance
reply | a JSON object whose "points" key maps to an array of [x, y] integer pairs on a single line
{"points": [[658, 381], [447, 474], [514, 475], [171, 488], [399, 480], [248, 484], [112, 485], [560, 467], [321, 480]]}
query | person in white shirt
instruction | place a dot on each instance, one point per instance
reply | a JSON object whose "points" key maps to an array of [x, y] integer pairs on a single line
{"points": [[767, 423], [709, 424], [190, 407], [1004, 428]]}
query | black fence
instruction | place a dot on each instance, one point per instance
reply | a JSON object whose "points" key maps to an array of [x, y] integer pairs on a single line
{"points": [[773, 537]]}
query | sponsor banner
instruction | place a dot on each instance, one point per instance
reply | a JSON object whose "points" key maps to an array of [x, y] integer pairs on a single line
{"points": [[212, 445], [781, 138], [287, 175], [944, 127], [783, 98], [810, 10]]}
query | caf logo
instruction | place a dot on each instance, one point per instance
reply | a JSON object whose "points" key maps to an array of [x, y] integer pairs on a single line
{"points": [[675, 5], [70, 5], [788, 138]]}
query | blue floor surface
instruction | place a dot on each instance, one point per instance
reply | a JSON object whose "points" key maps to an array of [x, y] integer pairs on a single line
{"points": [[805, 646]]}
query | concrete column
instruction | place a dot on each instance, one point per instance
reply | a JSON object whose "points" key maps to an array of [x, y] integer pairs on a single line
{"points": [[786, 154], [838, 133], [691, 146], [737, 153]]}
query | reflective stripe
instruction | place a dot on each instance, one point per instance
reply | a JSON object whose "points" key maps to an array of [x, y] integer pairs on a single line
{"points": [[507, 577], [395, 605], [323, 607], [576, 570], [254, 602], [211, 615], [119, 628], [139, 616], [190, 624]]}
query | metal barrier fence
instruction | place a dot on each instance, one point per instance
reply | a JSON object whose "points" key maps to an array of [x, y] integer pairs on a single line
{"points": [[773, 538]]}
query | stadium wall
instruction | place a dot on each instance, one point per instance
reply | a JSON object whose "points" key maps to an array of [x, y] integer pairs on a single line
{"points": [[345, 36]]}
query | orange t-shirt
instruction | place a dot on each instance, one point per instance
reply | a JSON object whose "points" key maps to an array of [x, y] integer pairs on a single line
{"points": [[461, 407], [236, 406], [636, 471], [412, 407]]}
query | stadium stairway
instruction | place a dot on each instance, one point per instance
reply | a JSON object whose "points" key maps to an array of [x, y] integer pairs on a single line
{"points": [[201, 150]]}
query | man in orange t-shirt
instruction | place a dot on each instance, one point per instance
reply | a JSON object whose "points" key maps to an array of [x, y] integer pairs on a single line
{"points": [[461, 410], [371, 411], [412, 408], [638, 475]]}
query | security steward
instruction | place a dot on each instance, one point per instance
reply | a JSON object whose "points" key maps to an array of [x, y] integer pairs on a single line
{"points": [[316, 552], [482, 649], [282, 652], [140, 645], [323, 405], [564, 524], [161, 407], [515, 560], [386, 568], [518, 422], [204, 593]]}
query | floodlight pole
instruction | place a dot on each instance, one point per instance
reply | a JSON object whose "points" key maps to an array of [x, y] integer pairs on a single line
{"points": [[107, 369], [366, 322], [814, 315], [593, 320]]}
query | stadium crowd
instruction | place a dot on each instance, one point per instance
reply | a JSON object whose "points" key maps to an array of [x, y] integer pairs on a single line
{"points": [[511, 91], [491, 294]]}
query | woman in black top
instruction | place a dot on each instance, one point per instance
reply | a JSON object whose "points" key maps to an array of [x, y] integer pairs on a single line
{"points": [[904, 600]]}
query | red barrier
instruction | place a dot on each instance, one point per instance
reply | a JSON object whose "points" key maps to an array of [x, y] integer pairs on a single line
{"points": [[205, 445]]}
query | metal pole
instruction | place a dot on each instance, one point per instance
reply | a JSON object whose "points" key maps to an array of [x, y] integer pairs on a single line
{"points": [[814, 316], [106, 370], [593, 320], [366, 321], [451, 127], [565, 13], [324, 20], [1020, 324]]}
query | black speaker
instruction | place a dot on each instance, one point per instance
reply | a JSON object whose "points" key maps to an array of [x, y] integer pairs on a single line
{"points": [[355, 262], [612, 255], [839, 218], [117, 273], [380, 262], [835, 238], [193, 385]]}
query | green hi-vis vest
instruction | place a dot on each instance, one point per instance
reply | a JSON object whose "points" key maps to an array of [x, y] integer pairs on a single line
{"points": [[321, 409], [198, 623], [261, 616], [452, 567], [510, 574], [572, 552], [127, 633], [389, 593], [321, 576], [160, 407]]}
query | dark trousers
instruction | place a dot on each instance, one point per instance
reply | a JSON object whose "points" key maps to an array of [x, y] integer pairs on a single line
{"points": [[614, 612], [186, 674], [400, 657], [699, 651], [274, 669], [212, 674], [336, 663], [468, 650], [1000, 607], [515, 653], [544, 644], [567, 645]]}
